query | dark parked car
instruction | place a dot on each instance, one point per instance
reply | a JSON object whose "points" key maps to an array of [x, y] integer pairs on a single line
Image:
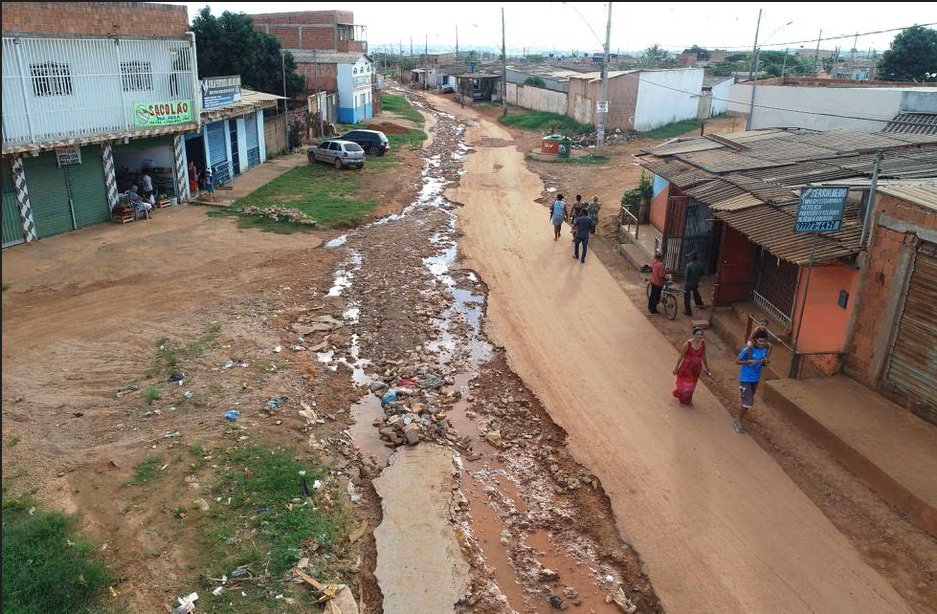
{"points": [[374, 142], [337, 152]]}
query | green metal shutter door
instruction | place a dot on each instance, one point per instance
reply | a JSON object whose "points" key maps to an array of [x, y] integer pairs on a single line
{"points": [[47, 195], [89, 194], [12, 224]]}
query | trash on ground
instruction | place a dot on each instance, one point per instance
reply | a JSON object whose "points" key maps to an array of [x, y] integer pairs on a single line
{"points": [[186, 604], [232, 415]]}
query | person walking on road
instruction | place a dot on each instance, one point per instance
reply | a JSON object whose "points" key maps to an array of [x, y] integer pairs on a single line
{"points": [[593, 209], [752, 359], [579, 208], [689, 366], [582, 227], [658, 272], [557, 215], [692, 275]]}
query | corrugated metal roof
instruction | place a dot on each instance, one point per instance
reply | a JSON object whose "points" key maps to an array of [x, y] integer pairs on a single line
{"points": [[673, 170], [250, 101], [683, 146], [845, 141], [925, 196], [307, 56], [724, 160], [913, 123], [736, 203], [773, 228], [802, 173]]}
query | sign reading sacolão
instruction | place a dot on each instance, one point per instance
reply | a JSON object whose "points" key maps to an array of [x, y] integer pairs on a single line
{"points": [[820, 209], [162, 113], [220, 91]]}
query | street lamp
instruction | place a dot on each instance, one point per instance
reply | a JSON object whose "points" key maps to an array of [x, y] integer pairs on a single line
{"points": [[601, 107], [755, 52]]}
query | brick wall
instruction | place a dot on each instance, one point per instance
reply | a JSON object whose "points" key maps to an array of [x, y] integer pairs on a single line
{"points": [[95, 19], [884, 251]]}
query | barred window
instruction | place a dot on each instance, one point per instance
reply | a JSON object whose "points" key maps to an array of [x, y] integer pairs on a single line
{"points": [[136, 76], [51, 79]]}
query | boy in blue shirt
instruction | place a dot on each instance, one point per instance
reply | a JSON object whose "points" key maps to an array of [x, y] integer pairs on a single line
{"points": [[752, 358]]}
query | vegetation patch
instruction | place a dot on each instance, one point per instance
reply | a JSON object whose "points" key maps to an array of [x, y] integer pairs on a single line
{"points": [[400, 106], [47, 565], [671, 130], [541, 121]]}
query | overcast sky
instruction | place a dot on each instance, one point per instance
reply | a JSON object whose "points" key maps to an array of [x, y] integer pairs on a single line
{"points": [[566, 26]]}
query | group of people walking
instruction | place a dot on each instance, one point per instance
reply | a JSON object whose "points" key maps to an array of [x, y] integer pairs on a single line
{"points": [[583, 219], [692, 362]]}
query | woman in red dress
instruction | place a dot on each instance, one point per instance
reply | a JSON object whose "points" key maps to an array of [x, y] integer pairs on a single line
{"points": [[691, 363]]}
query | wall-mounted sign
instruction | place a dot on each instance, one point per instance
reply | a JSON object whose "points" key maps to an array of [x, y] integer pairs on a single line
{"points": [[820, 209], [162, 113], [68, 154], [220, 91], [601, 106]]}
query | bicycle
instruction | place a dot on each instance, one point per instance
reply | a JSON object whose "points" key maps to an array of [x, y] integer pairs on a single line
{"points": [[669, 297]]}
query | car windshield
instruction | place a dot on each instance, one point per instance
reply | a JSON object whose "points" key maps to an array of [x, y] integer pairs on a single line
{"points": [[353, 147]]}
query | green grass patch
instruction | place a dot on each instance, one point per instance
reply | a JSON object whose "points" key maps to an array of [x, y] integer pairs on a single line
{"points": [[541, 121], [12, 441], [146, 470], [671, 130], [47, 565], [400, 106]]}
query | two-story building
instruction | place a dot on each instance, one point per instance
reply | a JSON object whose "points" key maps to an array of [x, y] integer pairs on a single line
{"points": [[94, 95]]}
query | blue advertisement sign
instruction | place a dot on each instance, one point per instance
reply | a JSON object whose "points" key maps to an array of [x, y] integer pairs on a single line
{"points": [[821, 209], [220, 91]]}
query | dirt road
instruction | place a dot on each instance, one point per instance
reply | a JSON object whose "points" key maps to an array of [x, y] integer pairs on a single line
{"points": [[718, 524]]}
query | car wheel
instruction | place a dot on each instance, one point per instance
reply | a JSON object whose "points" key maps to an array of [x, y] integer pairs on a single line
{"points": [[381, 152], [374, 150], [338, 163]]}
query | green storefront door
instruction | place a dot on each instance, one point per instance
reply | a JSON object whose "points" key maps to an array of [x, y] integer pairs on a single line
{"points": [[69, 197], [12, 223]]}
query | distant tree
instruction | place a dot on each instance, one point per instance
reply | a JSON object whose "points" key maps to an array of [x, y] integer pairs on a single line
{"points": [[911, 57], [653, 56], [535, 81], [229, 45], [699, 52]]}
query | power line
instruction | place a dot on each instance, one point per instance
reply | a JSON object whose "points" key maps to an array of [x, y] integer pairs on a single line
{"points": [[803, 112], [812, 40]]}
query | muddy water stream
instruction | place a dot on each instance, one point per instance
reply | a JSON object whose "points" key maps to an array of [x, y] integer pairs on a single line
{"points": [[495, 492]]}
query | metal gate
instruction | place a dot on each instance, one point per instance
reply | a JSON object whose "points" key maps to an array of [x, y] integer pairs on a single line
{"points": [[218, 152], [12, 221], [69, 197], [253, 143], [912, 364], [776, 287], [235, 148], [688, 229]]}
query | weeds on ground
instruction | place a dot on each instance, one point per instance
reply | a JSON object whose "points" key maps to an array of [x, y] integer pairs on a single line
{"points": [[146, 470], [400, 106], [671, 130], [47, 565], [542, 121]]}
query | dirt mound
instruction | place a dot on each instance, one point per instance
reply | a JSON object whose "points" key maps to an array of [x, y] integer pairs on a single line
{"points": [[388, 128]]}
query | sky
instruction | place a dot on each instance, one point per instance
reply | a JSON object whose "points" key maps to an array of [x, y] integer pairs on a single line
{"points": [[635, 26]]}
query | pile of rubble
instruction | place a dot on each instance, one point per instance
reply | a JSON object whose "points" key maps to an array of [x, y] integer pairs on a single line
{"points": [[415, 409]]}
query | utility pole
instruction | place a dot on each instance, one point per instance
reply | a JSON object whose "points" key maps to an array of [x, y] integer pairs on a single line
{"points": [[602, 107], [816, 57], [426, 61], [754, 67], [754, 47], [286, 100], [457, 43], [504, 69], [852, 54]]}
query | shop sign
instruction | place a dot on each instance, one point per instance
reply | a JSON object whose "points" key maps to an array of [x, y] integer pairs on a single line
{"points": [[820, 209], [220, 91], [68, 154], [162, 113]]}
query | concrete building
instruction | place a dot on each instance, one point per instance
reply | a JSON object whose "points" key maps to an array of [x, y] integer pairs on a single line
{"points": [[94, 94]]}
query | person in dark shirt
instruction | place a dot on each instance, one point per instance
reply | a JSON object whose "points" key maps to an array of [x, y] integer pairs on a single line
{"points": [[692, 275], [582, 227]]}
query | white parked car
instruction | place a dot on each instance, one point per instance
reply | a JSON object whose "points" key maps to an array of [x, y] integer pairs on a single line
{"points": [[339, 153]]}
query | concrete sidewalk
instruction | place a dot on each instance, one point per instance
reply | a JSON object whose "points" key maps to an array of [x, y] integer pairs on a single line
{"points": [[889, 448]]}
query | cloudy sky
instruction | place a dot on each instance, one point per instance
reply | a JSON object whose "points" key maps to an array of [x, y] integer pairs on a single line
{"points": [[565, 26]]}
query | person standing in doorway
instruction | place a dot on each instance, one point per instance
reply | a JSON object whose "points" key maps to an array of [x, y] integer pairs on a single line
{"points": [[692, 275], [582, 226], [752, 359], [193, 179], [210, 184], [658, 273], [147, 183], [558, 215]]}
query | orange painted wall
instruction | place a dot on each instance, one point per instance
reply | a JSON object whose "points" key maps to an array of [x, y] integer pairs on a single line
{"points": [[659, 208], [825, 323]]}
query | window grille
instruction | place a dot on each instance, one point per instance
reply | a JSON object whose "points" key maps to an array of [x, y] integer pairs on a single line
{"points": [[136, 76], [51, 79]]}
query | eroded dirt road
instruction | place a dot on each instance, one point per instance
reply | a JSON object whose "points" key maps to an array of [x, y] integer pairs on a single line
{"points": [[718, 524]]}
